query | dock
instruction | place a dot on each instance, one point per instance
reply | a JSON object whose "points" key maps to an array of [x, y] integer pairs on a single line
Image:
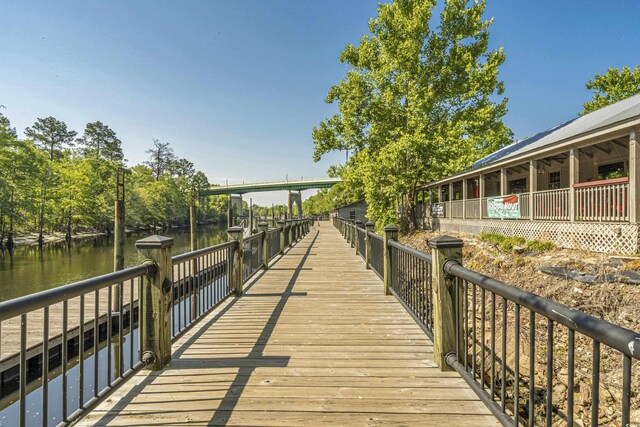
{"points": [[313, 341]]}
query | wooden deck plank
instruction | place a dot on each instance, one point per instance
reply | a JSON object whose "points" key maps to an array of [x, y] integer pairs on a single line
{"points": [[313, 342]]}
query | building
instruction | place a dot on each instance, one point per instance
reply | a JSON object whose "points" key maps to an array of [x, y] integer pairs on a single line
{"points": [[356, 211], [576, 184]]}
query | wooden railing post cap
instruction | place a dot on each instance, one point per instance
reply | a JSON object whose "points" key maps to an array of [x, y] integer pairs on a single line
{"points": [[359, 223], [445, 242], [235, 230], [281, 223], [154, 242], [369, 225], [391, 229], [263, 224]]}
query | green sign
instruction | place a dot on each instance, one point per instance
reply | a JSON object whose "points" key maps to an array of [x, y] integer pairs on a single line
{"points": [[504, 207]]}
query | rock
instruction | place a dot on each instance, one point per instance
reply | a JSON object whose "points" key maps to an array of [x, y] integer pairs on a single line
{"points": [[629, 277], [519, 249]]}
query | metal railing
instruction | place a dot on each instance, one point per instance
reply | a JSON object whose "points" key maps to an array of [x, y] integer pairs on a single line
{"points": [[377, 254], [72, 345], [534, 344], [274, 242], [200, 282], [362, 241], [411, 283], [252, 255], [527, 357]]}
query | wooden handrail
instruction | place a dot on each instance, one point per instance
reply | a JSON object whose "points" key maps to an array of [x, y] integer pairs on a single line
{"points": [[613, 181]]}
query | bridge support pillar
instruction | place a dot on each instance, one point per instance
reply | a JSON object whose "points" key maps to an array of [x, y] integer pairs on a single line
{"points": [[446, 316], [295, 198], [390, 233], [155, 302], [235, 272]]}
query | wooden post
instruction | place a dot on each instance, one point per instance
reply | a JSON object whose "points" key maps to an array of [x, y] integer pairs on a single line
{"points": [[282, 227], [194, 262], [235, 277], [118, 259], [155, 302], [390, 233], [264, 228], [634, 178], [367, 255], [574, 170], [533, 186], [464, 198], [503, 182], [358, 224], [444, 249], [450, 200], [481, 192], [290, 231]]}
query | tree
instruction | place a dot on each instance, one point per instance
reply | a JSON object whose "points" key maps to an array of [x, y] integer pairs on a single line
{"points": [[161, 157], [416, 104], [611, 87], [51, 135], [99, 141]]}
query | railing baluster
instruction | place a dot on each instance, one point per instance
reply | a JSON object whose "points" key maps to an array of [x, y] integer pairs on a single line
{"points": [[516, 369], [81, 354], [23, 370], [532, 361], [549, 396], [570, 375], [45, 366], [595, 381]]}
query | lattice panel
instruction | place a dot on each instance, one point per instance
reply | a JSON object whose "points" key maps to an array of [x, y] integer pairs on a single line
{"points": [[597, 237]]}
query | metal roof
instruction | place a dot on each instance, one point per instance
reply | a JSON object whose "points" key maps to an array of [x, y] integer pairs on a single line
{"points": [[620, 111], [306, 184]]}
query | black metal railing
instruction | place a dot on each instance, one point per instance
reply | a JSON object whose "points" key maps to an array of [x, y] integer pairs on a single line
{"points": [[376, 260], [362, 243], [532, 357], [411, 283], [274, 242], [200, 282], [252, 255], [532, 360], [63, 350], [73, 342]]}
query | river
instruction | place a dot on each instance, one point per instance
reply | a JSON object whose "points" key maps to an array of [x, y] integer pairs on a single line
{"points": [[32, 270]]}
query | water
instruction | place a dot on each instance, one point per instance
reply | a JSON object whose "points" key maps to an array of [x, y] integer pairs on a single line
{"points": [[32, 270]]}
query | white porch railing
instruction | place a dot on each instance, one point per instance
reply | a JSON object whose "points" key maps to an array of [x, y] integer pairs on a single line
{"points": [[472, 208], [598, 202], [551, 205], [456, 208]]}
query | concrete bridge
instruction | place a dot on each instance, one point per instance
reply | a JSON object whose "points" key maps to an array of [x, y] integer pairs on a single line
{"points": [[294, 187]]}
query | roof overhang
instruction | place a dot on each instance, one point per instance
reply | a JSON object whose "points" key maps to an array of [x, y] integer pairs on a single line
{"points": [[604, 134]]}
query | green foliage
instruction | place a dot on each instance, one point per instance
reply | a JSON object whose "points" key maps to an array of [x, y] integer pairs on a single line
{"points": [[416, 104], [612, 87], [47, 184], [506, 244]]}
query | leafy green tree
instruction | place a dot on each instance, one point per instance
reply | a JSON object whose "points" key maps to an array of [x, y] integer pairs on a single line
{"points": [[51, 135], [417, 103], [161, 158], [613, 86], [99, 141]]}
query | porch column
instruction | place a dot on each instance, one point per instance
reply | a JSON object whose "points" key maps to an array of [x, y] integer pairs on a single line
{"points": [[503, 182], [464, 198], [574, 170], [533, 185], [634, 178], [481, 194], [450, 199]]}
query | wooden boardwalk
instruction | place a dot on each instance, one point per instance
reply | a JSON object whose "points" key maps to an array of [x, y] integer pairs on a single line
{"points": [[313, 342]]}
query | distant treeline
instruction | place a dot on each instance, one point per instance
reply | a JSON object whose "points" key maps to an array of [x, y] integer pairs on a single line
{"points": [[54, 180]]}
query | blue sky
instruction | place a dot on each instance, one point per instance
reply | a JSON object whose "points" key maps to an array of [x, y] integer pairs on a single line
{"points": [[236, 86]]}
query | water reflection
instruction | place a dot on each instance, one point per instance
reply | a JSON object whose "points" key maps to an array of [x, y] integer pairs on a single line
{"points": [[32, 270]]}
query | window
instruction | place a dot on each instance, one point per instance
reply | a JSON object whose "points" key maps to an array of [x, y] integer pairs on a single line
{"points": [[352, 215], [612, 170], [554, 180], [518, 186]]}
